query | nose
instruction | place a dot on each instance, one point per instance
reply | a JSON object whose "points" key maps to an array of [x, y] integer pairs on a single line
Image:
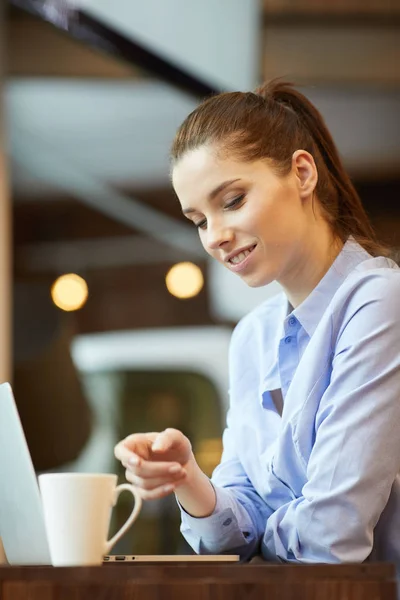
{"points": [[218, 236]]}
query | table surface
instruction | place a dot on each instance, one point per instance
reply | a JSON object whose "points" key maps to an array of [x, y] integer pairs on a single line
{"points": [[200, 582]]}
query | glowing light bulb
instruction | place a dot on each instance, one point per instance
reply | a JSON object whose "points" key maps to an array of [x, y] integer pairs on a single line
{"points": [[184, 280], [69, 292]]}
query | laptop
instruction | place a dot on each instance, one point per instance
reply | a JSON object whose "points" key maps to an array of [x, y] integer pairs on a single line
{"points": [[22, 527]]}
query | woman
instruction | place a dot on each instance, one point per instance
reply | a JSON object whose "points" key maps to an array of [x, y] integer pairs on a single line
{"points": [[310, 467]]}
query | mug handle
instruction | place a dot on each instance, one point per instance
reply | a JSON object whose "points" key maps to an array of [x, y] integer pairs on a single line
{"points": [[132, 517]]}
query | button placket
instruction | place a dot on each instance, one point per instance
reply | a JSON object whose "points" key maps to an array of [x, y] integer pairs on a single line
{"points": [[287, 354]]}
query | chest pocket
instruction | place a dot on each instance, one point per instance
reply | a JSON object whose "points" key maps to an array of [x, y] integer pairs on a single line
{"points": [[288, 473], [306, 419]]}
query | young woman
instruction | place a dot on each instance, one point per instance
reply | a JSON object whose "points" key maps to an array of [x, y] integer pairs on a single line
{"points": [[311, 460]]}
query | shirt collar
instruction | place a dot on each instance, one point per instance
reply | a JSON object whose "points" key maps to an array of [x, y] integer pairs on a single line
{"points": [[309, 312]]}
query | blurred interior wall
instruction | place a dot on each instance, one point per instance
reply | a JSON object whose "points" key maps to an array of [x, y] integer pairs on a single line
{"points": [[5, 238], [5, 225], [219, 42]]}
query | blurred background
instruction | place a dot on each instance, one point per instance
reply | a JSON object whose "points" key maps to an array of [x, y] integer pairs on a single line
{"points": [[112, 320]]}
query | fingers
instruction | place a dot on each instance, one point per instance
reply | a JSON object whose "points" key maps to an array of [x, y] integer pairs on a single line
{"points": [[141, 453], [151, 489], [153, 479], [138, 443], [149, 445], [157, 493], [143, 443], [152, 483], [166, 440], [122, 453], [147, 469]]}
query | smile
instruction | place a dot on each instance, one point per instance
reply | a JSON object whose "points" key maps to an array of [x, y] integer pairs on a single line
{"points": [[239, 261]]}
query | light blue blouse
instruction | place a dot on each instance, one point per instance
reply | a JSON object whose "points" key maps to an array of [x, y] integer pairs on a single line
{"points": [[321, 482]]}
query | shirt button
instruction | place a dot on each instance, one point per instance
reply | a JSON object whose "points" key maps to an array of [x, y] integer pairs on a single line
{"points": [[227, 522], [292, 321], [288, 339]]}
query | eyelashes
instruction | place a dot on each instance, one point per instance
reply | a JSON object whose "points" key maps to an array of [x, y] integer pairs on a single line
{"points": [[235, 203], [201, 224]]}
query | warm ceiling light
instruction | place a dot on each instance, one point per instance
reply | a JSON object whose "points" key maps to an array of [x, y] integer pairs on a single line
{"points": [[69, 292], [184, 280]]}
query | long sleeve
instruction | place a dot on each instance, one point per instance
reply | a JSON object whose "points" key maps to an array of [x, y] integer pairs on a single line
{"points": [[239, 519], [356, 454], [238, 522]]}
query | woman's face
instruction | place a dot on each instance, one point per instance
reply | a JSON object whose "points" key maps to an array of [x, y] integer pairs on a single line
{"points": [[250, 219]]}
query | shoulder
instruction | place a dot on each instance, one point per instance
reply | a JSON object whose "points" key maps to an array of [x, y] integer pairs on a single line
{"points": [[377, 279], [371, 291]]}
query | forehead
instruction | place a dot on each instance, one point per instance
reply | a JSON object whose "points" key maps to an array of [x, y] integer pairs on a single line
{"points": [[201, 170]]}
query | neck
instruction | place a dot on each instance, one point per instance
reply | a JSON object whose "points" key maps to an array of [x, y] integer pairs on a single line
{"points": [[310, 265]]}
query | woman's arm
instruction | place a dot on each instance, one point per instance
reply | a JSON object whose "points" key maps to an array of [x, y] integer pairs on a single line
{"points": [[196, 495], [159, 463], [356, 455], [226, 515], [238, 520]]}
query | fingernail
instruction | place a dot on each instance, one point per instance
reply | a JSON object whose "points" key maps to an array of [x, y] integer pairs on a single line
{"points": [[133, 460], [168, 488], [158, 445], [175, 469]]}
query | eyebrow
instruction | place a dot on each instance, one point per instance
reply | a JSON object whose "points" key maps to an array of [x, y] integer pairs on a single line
{"points": [[213, 193]]}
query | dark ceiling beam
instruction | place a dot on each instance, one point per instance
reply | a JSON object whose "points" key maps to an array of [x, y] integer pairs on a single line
{"points": [[101, 36], [28, 40]]}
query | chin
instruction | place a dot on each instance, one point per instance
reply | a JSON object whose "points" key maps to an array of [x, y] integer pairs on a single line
{"points": [[256, 281]]}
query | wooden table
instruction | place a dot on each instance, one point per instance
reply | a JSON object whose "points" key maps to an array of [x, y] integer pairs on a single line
{"points": [[200, 582]]}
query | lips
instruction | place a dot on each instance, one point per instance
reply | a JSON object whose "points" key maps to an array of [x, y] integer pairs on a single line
{"points": [[239, 256], [238, 261]]}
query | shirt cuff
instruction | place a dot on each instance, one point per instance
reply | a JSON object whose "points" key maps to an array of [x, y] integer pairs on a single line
{"points": [[222, 522]]}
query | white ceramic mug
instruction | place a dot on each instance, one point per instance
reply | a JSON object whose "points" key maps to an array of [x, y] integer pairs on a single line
{"points": [[77, 509]]}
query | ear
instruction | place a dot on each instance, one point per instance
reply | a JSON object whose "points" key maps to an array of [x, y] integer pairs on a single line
{"points": [[305, 171]]}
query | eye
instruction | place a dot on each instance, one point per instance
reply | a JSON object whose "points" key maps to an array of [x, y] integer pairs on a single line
{"points": [[201, 224], [235, 202], [232, 204]]}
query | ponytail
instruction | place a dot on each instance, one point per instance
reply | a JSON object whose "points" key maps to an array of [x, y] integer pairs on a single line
{"points": [[274, 122]]}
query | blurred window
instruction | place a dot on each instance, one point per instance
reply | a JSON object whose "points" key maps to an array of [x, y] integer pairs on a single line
{"points": [[148, 400]]}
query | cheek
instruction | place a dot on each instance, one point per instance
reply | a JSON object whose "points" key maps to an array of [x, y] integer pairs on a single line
{"points": [[203, 240], [258, 222], [276, 219], [250, 219]]}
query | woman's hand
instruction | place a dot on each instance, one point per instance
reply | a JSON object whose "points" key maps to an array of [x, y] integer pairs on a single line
{"points": [[156, 463]]}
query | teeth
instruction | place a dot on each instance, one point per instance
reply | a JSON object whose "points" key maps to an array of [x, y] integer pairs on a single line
{"points": [[239, 257]]}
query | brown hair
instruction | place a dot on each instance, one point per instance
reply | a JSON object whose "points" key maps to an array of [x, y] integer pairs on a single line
{"points": [[273, 122]]}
